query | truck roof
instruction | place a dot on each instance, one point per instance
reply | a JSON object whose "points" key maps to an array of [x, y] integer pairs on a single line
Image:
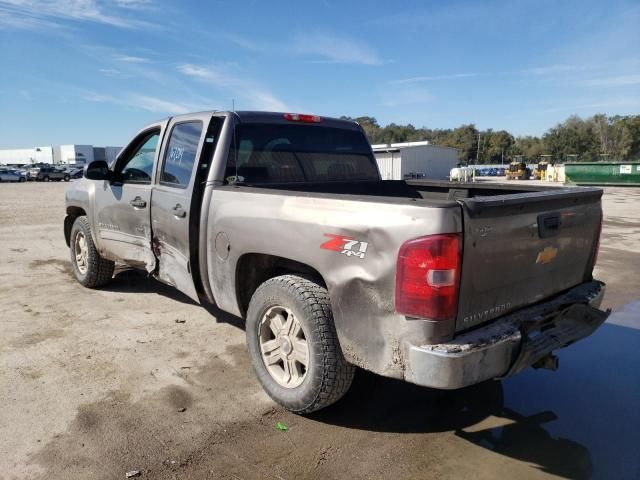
{"points": [[272, 117]]}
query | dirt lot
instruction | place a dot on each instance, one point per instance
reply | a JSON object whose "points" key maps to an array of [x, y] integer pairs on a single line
{"points": [[92, 383]]}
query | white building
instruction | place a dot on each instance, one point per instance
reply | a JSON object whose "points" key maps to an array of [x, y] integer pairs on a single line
{"points": [[58, 154], [73, 154], [23, 156], [107, 154], [400, 161]]}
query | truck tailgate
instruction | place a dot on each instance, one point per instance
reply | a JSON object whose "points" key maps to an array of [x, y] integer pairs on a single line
{"points": [[522, 248]]}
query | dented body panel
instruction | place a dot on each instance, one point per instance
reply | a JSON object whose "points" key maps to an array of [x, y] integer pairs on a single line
{"points": [[361, 288], [510, 344], [346, 235]]}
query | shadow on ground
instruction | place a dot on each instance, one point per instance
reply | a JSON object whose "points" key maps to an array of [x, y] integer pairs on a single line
{"points": [[135, 281]]}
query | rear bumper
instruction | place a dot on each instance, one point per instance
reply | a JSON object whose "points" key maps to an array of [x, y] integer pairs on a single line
{"points": [[509, 344]]}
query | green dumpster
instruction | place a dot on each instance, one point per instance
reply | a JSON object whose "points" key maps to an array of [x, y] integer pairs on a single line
{"points": [[602, 173]]}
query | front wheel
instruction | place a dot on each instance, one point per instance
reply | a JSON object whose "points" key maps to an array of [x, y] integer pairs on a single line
{"points": [[89, 268], [294, 346], [67, 178], [22, 179]]}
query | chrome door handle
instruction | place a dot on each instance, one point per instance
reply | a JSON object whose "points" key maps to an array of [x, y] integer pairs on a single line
{"points": [[178, 211], [138, 203]]}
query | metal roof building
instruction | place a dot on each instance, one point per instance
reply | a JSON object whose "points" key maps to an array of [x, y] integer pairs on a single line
{"points": [[400, 161]]}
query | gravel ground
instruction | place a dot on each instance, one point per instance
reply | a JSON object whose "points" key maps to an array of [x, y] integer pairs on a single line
{"points": [[93, 383]]}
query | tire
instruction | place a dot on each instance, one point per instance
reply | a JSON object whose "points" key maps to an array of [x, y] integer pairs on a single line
{"points": [[327, 375], [22, 179], [66, 178], [45, 179], [92, 271]]}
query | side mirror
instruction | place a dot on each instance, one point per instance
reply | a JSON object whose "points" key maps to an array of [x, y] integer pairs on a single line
{"points": [[97, 170]]}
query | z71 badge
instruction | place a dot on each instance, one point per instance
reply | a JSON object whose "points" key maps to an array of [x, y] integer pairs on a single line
{"points": [[346, 245]]}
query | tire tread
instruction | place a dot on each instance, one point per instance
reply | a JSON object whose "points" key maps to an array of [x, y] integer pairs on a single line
{"points": [[335, 375], [100, 270]]}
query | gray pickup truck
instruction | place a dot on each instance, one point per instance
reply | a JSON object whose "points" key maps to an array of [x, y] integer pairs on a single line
{"points": [[283, 220]]}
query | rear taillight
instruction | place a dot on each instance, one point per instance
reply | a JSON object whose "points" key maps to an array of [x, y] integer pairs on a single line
{"points": [[428, 277], [302, 117], [597, 250]]}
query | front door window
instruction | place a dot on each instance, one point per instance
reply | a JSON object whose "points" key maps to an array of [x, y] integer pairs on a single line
{"points": [[139, 166]]}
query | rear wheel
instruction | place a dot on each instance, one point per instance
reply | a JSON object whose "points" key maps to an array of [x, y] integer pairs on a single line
{"points": [[294, 346], [67, 178], [22, 179], [90, 269], [45, 179]]}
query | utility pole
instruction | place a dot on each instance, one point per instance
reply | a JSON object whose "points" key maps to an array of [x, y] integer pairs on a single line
{"points": [[478, 152]]}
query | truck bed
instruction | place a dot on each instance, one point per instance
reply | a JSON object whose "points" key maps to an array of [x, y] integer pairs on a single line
{"points": [[521, 244], [427, 189]]}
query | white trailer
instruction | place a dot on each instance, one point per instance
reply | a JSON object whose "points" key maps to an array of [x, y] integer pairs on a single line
{"points": [[401, 161]]}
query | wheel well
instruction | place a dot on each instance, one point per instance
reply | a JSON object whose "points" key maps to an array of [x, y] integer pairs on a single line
{"points": [[72, 214], [254, 269]]}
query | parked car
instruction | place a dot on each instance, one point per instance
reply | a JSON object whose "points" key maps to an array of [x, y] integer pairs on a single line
{"points": [[284, 220], [76, 172], [46, 174], [11, 175]]}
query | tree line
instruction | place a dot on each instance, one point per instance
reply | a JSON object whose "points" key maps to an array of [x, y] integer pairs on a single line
{"points": [[597, 138]]}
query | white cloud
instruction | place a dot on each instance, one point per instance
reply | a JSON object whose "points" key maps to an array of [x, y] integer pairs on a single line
{"points": [[26, 94], [27, 14], [335, 49], [111, 72], [153, 104], [133, 4], [245, 43], [132, 59], [244, 90], [144, 102], [267, 101], [451, 76], [614, 81], [203, 73], [550, 69]]}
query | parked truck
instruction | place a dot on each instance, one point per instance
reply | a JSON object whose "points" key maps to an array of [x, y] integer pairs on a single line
{"points": [[283, 220]]}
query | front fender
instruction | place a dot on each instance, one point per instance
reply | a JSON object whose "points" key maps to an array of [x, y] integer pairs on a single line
{"points": [[79, 200]]}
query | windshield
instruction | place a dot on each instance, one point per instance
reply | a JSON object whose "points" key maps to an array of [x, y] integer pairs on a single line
{"points": [[281, 153]]}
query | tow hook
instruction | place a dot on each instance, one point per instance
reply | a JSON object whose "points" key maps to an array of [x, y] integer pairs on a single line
{"points": [[550, 362]]}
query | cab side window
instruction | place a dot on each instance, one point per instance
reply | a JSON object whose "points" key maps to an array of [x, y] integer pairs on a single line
{"points": [[181, 154], [139, 165]]}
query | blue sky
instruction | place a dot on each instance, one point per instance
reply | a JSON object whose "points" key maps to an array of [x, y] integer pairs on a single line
{"points": [[95, 71]]}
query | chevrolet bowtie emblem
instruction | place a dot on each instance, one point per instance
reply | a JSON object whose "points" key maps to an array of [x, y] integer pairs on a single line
{"points": [[547, 255]]}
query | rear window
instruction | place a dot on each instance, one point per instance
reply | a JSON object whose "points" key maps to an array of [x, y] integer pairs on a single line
{"points": [[282, 153]]}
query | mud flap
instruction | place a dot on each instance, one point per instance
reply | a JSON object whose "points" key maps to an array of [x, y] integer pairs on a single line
{"points": [[541, 337]]}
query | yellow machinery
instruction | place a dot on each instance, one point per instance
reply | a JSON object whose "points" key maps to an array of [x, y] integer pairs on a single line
{"points": [[541, 170], [518, 171]]}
